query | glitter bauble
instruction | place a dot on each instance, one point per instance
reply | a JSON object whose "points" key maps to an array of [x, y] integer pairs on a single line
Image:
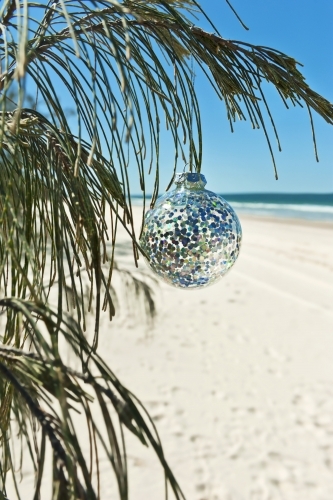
{"points": [[192, 236]]}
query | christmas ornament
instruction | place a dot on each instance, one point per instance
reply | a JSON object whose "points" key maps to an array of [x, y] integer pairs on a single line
{"points": [[192, 236]]}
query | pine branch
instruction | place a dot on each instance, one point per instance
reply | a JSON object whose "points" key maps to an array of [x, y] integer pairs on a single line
{"points": [[45, 375], [274, 66], [42, 417], [10, 7]]}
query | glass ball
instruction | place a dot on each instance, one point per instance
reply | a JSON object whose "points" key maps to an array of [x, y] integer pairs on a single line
{"points": [[192, 236]]}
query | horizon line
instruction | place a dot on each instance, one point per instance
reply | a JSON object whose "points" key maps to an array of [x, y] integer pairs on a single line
{"points": [[330, 193]]}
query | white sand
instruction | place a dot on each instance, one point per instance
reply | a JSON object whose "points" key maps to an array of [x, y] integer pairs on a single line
{"points": [[238, 376]]}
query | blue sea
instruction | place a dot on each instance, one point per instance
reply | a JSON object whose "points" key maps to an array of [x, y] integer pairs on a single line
{"points": [[308, 206]]}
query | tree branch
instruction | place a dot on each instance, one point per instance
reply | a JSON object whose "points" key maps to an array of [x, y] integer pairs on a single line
{"points": [[42, 417], [9, 14], [276, 67]]}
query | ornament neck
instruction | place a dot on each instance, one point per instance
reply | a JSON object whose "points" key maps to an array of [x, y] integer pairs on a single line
{"points": [[189, 180]]}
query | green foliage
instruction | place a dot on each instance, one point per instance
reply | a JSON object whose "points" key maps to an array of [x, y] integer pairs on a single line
{"points": [[32, 381], [125, 67]]}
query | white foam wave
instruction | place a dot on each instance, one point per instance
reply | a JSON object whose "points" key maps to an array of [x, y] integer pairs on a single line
{"points": [[281, 206]]}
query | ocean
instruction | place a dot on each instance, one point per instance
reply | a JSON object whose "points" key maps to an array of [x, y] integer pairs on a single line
{"points": [[308, 206]]}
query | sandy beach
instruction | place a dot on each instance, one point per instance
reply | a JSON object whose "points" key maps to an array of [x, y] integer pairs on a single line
{"points": [[238, 376]]}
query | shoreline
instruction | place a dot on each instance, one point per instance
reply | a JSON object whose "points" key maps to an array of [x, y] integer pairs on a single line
{"points": [[286, 220], [273, 217]]}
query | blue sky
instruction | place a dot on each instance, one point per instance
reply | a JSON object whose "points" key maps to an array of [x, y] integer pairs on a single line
{"points": [[240, 162]]}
